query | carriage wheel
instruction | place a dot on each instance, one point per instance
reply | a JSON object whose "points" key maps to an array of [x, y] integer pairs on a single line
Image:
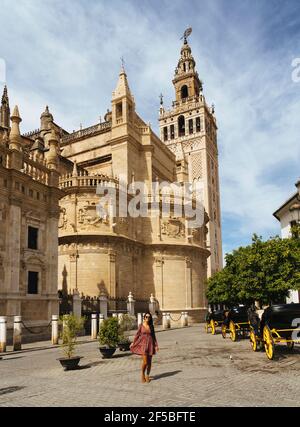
{"points": [[268, 343], [223, 331], [290, 345], [213, 327], [232, 331], [253, 340]]}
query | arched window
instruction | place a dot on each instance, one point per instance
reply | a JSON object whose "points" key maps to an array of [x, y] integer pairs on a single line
{"points": [[181, 126], [190, 126], [198, 124], [165, 133], [184, 92], [119, 110], [172, 132]]}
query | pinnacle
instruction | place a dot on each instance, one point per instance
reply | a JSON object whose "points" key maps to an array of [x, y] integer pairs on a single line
{"points": [[122, 88], [5, 94], [16, 113]]}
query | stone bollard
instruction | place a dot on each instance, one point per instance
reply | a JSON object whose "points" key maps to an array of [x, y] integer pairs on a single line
{"points": [[186, 316], [120, 317], [94, 326], [130, 304], [103, 305], [152, 304], [101, 320], [183, 319], [165, 321], [169, 320], [3, 326], [140, 319], [77, 303], [17, 336], [115, 315], [54, 334]]}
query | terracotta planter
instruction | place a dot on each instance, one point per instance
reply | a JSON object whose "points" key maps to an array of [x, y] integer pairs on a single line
{"points": [[71, 363]]}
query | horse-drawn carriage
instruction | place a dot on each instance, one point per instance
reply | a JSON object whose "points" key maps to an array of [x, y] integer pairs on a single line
{"points": [[279, 324], [236, 323], [213, 320], [234, 320]]}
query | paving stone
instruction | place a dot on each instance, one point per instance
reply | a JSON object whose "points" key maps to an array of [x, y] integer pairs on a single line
{"points": [[191, 369]]}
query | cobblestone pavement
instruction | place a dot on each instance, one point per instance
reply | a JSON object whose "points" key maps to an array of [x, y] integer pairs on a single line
{"points": [[192, 368]]}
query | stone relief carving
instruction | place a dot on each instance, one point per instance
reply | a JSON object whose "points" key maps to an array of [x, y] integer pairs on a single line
{"points": [[88, 217], [196, 233], [32, 215], [63, 219], [173, 227]]}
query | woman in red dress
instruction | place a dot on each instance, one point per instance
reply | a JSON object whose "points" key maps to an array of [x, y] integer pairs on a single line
{"points": [[145, 345]]}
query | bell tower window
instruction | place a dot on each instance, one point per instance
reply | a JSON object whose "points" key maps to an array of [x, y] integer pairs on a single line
{"points": [[181, 126], [184, 91], [190, 126], [172, 132], [165, 133], [198, 124], [119, 110]]}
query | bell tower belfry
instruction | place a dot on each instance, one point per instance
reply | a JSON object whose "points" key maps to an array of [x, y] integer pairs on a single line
{"points": [[189, 130], [186, 80]]}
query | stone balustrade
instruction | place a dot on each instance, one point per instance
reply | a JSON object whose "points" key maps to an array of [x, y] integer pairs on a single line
{"points": [[90, 131], [69, 181], [36, 170]]}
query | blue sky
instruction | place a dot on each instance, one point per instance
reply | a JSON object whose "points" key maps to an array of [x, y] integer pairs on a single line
{"points": [[67, 54]]}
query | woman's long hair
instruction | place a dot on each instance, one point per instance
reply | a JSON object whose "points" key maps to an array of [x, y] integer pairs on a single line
{"points": [[151, 326]]}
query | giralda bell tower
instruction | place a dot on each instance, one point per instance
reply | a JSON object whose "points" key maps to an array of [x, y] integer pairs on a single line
{"points": [[189, 129]]}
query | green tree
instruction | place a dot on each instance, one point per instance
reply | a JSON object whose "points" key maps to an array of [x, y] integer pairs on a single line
{"points": [[109, 333], [262, 271], [71, 326]]}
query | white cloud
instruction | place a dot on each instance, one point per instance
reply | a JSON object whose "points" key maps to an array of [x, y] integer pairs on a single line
{"points": [[67, 54]]}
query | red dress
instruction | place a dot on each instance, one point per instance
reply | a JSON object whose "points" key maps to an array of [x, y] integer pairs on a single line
{"points": [[143, 342]]}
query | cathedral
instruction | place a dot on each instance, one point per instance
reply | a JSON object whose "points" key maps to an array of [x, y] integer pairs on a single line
{"points": [[52, 237]]}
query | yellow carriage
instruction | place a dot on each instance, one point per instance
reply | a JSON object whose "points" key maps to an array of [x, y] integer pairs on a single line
{"points": [[280, 324]]}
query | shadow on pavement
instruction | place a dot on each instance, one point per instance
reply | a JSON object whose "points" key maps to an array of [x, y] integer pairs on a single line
{"points": [[165, 375], [116, 356], [80, 367], [7, 390], [12, 358]]}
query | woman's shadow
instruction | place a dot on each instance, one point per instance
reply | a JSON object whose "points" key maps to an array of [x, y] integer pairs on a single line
{"points": [[165, 375]]}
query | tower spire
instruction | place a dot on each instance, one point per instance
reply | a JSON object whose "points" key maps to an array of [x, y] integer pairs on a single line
{"points": [[4, 109], [122, 88], [4, 96], [186, 80], [123, 106]]}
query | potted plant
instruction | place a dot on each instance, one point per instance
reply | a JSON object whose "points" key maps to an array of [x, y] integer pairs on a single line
{"points": [[124, 343], [72, 325], [127, 323], [109, 335]]}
